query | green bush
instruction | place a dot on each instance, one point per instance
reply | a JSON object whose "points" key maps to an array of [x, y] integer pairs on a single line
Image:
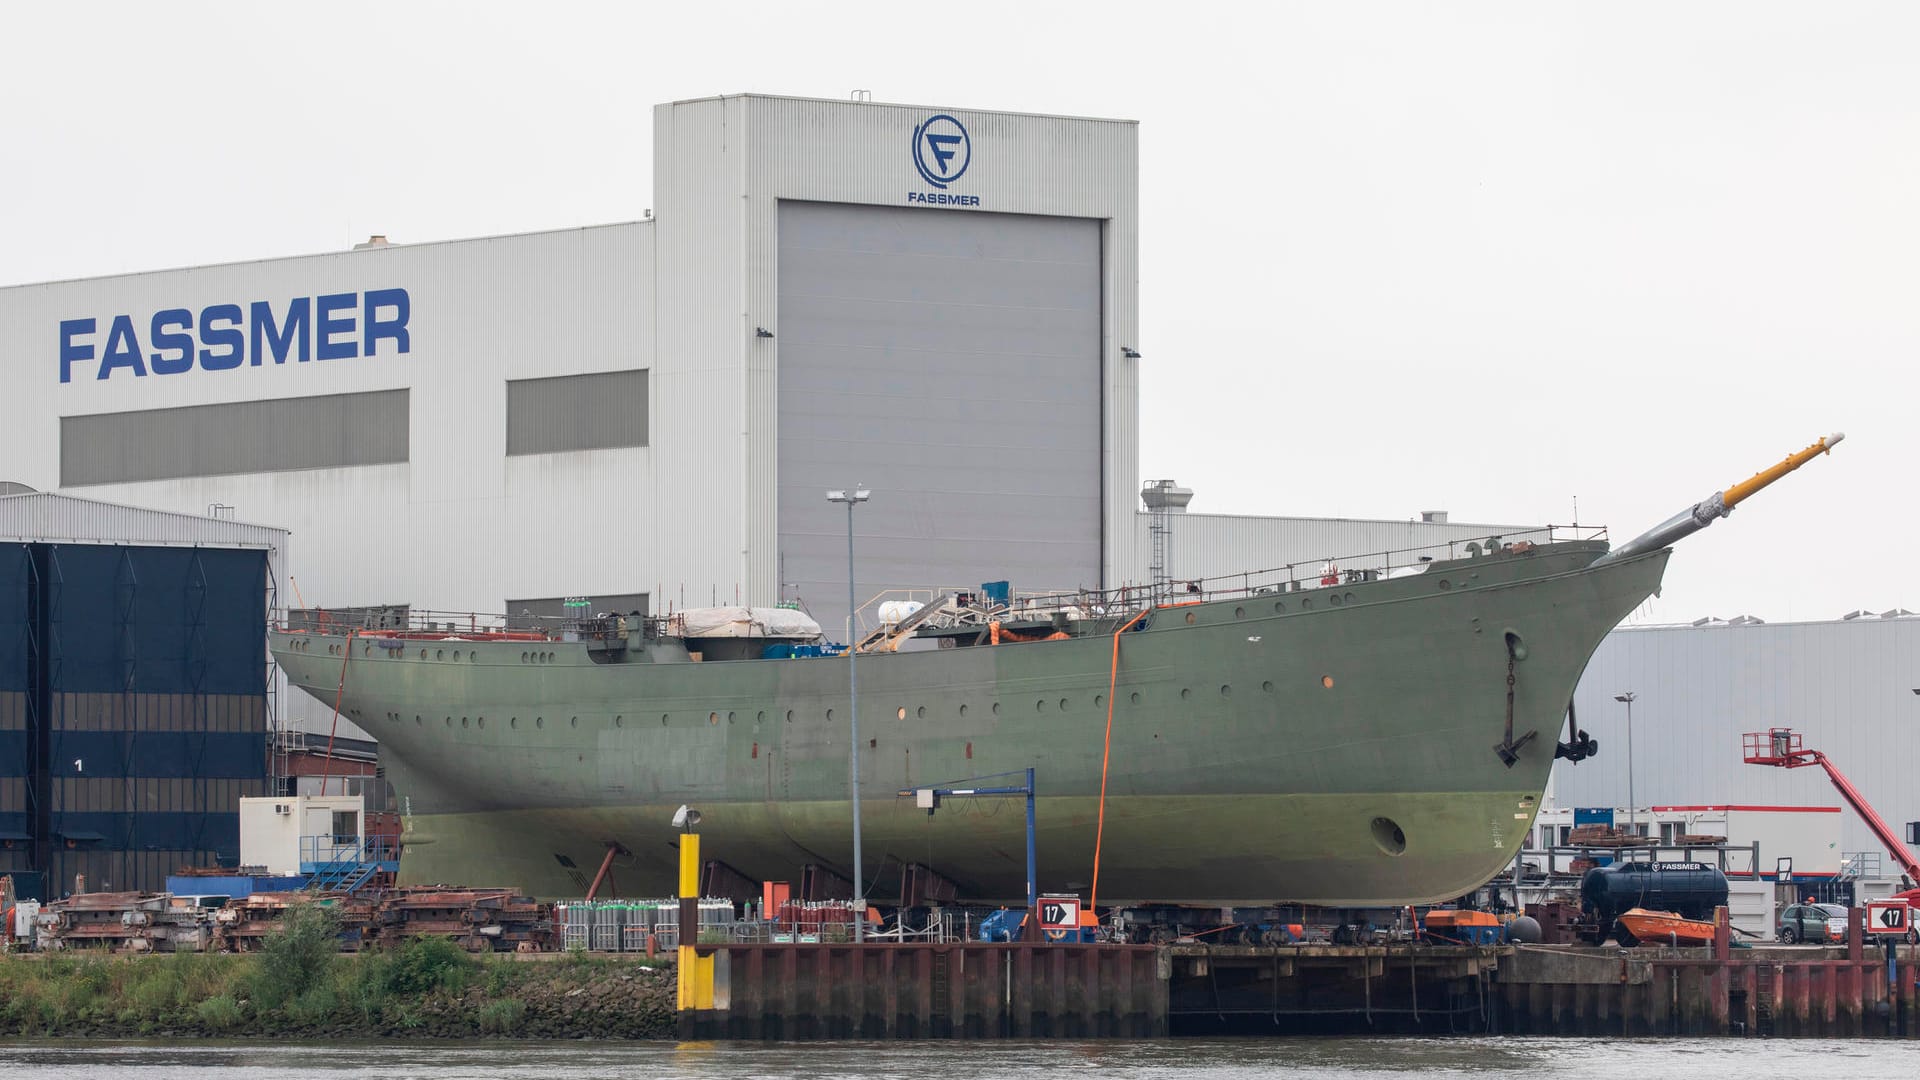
{"points": [[220, 1013], [313, 1006], [155, 990], [296, 956], [503, 976], [503, 1017], [369, 984], [426, 964]]}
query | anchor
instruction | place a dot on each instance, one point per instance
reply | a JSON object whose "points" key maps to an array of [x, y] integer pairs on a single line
{"points": [[1509, 748]]}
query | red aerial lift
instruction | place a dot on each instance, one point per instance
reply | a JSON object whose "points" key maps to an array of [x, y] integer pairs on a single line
{"points": [[1781, 747]]}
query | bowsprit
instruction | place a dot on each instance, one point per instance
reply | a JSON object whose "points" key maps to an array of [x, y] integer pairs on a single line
{"points": [[221, 337]]}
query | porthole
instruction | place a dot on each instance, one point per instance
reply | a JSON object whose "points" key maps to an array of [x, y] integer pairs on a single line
{"points": [[760, 717], [1279, 607], [829, 716], [366, 650], [482, 724], [439, 654], [1189, 618], [1349, 598], [1267, 686], [663, 719], [1040, 706], [423, 654], [920, 713], [1326, 681], [456, 656], [449, 721], [1063, 704], [1099, 700], [1226, 691], [1445, 584], [789, 716], [619, 721], [416, 720], [1306, 605], [963, 710], [1239, 613], [1185, 693], [1134, 697], [713, 718], [573, 721], [463, 722], [539, 721], [1334, 599], [512, 722], [523, 657], [900, 713], [996, 708]]}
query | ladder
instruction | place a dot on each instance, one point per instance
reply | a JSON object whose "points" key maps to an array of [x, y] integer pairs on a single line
{"points": [[888, 638], [942, 1004], [1763, 1012]]}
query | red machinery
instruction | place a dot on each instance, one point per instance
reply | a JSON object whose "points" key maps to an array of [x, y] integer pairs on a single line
{"points": [[1781, 747]]}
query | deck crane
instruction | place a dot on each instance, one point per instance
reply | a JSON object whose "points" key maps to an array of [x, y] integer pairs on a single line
{"points": [[1782, 748]]}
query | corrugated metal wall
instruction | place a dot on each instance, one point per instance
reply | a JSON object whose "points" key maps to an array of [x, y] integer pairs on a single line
{"points": [[483, 312], [726, 166], [1846, 686], [689, 519]]}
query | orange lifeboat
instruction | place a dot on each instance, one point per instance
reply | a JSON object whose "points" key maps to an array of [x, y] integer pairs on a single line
{"points": [[1665, 928]]}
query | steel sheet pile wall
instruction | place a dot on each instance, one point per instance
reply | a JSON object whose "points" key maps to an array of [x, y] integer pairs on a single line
{"points": [[141, 671]]}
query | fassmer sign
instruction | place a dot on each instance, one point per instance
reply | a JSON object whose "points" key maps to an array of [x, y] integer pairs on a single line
{"points": [[221, 337], [942, 150]]}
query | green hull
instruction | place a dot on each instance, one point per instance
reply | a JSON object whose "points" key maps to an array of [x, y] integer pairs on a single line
{"points": [[1236, 773]]}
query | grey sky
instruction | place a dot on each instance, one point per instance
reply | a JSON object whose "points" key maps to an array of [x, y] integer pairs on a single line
{"points": [[1394, 257]]}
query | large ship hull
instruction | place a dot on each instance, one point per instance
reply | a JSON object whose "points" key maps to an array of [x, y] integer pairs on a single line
{"points": [[1331, 746]]}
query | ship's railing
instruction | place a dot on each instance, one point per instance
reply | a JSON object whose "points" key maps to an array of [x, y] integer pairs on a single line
{"points": [[1372, 566], [427, 624], [1321, 573], [614, 627]]}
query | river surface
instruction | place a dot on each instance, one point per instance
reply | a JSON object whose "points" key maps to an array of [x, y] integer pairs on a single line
{"points": [[1186, 1059]]}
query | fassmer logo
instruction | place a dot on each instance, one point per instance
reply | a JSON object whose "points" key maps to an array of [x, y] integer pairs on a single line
{"points": [[941, 150]]}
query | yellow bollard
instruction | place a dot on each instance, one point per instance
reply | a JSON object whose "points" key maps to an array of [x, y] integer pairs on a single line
{"points": [[693, 974]]}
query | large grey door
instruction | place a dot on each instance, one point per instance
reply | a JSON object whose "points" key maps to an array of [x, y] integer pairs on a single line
{"points": [[949, 361]]}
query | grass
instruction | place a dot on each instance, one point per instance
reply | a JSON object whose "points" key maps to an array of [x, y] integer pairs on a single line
{"points": [[296, 983]]}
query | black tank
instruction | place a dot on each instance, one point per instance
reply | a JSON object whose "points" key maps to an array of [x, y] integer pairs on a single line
{"points": [[1688, 889]]}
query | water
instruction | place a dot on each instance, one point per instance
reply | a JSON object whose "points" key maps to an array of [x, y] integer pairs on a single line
{"points": [[1195, 1059]]}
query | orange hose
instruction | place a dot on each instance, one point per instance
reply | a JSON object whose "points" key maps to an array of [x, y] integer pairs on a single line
{"points": [[1106, 752], [326, 770]]}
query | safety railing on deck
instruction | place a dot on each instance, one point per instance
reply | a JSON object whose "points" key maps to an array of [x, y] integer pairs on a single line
{"points": [[613, 627], [427, 625], [1289, 577]]}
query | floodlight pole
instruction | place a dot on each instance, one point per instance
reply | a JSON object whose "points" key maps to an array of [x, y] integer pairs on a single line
{"points": [[1633, 814], [851, 496]]}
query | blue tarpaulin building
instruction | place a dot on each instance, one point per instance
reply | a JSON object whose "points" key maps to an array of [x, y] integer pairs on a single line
{"points": [[135, 690]]}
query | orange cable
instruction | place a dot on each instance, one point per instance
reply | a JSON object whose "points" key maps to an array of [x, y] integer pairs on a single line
{"points": [[1106, 751], [326, 770]]}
